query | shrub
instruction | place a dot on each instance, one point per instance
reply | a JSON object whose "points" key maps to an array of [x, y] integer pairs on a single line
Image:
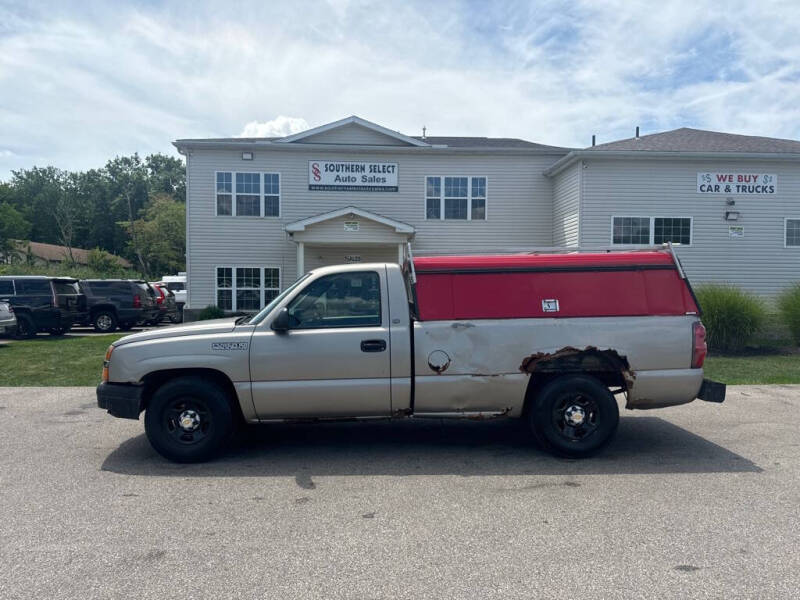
{"points": [[731, 316], [789, 305], [210, 312]]}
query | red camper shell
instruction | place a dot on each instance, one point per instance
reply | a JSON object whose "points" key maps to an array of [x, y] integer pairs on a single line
{"points": [[610, 284]]}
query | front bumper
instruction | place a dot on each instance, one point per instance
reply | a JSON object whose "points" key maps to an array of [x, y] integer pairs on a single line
{"points": [[121, 400]]}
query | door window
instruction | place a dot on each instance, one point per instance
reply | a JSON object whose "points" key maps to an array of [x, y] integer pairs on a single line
{"points": [[6, 288], [34, 287], [340, 300]]}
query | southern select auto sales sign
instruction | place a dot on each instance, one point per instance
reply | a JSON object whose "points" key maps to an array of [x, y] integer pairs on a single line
{"points": [[737, 183], [348, 176]]}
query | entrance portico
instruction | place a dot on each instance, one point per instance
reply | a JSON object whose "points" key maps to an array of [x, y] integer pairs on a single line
{"points": [[348, 234]]}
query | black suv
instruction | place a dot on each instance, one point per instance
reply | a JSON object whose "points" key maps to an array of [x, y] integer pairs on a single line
{"points": [[122, 303], [49, 304]]}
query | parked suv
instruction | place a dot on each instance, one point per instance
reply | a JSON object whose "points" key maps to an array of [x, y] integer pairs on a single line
{"points": [[49, 304], [177, 285], [122, 303], [166, 302]]}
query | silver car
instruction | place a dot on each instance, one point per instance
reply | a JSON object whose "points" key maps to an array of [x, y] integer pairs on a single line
{"points": [[8, 322]]}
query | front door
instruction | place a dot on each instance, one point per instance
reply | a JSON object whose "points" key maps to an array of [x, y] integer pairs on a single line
{"points": [[334, 360]]}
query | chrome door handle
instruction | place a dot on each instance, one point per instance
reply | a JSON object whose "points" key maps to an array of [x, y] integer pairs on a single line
{"points": [[373, 345]]}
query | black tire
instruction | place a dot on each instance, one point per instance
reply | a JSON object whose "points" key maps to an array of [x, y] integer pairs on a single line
{"points": [[104, 321], [574, 416], [208, 415], [26, 328]]}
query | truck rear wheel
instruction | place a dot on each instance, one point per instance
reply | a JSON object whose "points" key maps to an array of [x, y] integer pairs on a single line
{"points": [[188, 420], [574, 416]]}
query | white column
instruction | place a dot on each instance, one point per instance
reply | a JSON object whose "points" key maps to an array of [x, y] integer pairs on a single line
{"points": [[400, 253], [301, 259]]}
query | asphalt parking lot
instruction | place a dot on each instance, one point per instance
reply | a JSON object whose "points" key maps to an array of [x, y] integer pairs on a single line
{"points": [[698, 501]]}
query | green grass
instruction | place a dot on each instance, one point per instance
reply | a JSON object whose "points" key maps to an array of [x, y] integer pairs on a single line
{"points": [[49, 361], [753, 369]]}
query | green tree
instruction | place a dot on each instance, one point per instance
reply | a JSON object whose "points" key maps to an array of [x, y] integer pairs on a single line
{"points": [[167, 175], [36, 190], [13, 226], [161, 233], [128, 187]]}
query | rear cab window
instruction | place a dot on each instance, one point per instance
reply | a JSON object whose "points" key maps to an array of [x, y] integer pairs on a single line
{"points": [[6, 287]]}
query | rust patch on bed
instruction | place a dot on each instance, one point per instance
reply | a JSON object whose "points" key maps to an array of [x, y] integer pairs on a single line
{"points": [[588, 359]]}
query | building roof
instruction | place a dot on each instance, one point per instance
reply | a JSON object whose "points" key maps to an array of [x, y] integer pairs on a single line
{"points": [[427, 142], [486, 142], [435, 141], [687, 139], [687, 143], [55, 253]]}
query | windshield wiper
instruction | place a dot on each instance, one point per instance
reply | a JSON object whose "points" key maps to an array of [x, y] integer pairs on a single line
{"points": [[241, 320]]}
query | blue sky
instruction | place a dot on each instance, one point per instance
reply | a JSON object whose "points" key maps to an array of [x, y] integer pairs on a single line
{"points": [[81, 82]]}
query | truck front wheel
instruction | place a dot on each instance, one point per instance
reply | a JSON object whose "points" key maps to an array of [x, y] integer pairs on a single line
{"points": [[574, 416], [188, 419]]}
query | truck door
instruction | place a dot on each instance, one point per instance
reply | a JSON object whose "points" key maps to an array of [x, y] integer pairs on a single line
{"points": [[334, 361]]}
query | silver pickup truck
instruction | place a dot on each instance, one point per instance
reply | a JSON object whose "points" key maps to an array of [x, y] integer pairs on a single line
{"points": [[550, 339]]}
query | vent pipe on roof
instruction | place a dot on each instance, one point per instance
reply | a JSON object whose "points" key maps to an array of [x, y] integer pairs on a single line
{"points": [[593, 139], [637, 132], [424, 129]]}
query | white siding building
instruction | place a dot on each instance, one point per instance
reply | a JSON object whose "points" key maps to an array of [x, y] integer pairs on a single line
{"points": [[262, 211]]}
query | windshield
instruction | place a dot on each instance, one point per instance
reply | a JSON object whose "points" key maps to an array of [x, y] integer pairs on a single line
{"points": [[277, 300]]}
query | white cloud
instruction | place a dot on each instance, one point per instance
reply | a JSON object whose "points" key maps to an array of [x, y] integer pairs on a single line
{"points": [[280, 126], [72, 95]]}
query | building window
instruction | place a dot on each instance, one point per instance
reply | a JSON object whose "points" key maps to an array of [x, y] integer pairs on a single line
{"points": [[225, 288], [248, 194], [246, 289], [455, 198], [792, 232], [272, 284], [433, 198], [272, 195], [644, 231], [478, 198], [677, 231], [224, 194]]}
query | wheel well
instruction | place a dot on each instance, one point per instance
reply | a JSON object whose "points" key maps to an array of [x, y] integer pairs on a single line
{"points": [[152, 381], [608, 366]]}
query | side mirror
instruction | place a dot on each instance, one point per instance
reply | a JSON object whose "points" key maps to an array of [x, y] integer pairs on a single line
{"points": [[281, 322]]}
